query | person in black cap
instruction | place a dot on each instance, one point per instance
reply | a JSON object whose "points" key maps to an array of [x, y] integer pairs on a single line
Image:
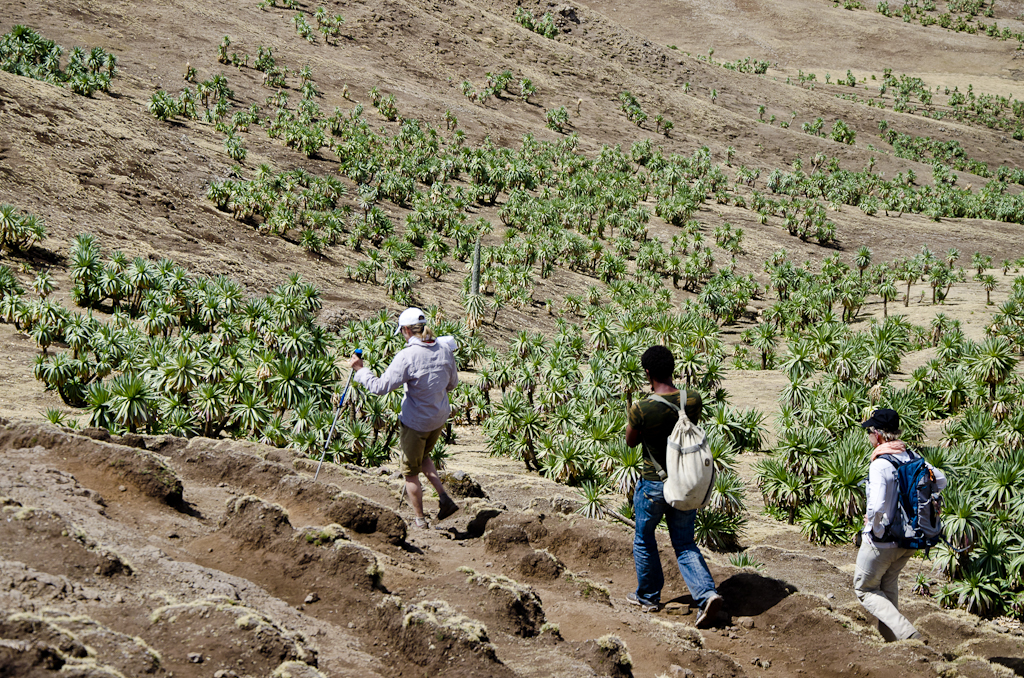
{"points": [[879, 562]]}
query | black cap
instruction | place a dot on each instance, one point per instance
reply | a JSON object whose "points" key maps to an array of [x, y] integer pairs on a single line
{"points": [[883, 420]]}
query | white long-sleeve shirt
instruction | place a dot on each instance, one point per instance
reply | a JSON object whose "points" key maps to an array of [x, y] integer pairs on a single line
{"points": [[428, 372], [883, 492]]}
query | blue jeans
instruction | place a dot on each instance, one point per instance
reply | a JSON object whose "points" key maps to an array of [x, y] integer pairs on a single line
{"points": [[648, 507]]}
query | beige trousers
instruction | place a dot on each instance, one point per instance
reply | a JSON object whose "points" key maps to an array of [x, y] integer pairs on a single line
{"points": [[876, 583]]}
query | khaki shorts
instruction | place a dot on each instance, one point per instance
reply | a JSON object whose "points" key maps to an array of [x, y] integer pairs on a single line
{"points": [[416, 448]]}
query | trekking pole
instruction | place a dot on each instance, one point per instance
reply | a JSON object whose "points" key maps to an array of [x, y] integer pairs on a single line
{"points": [[337, 413]]}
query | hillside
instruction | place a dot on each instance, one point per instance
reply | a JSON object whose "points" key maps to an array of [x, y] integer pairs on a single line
{"points": [[635, 173]]}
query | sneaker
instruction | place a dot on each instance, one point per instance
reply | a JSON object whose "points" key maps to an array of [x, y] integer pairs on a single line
{"points": [[421, 524], [644, 607], [446, 507], [707, 614]]}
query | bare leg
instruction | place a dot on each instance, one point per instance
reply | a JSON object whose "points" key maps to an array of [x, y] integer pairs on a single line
{"points": [[445, 505], [415, 492], [430, 472]]}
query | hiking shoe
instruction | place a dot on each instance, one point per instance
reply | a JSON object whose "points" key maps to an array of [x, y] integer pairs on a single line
{"points": [[420, 524], [644, 607], [446, 507], [710, 610]]}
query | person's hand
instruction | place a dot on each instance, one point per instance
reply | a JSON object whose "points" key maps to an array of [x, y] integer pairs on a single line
{"points": [[356, 363]]}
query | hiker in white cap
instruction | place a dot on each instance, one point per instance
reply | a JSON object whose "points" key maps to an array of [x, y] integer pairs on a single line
{"points": [[426, 367]]}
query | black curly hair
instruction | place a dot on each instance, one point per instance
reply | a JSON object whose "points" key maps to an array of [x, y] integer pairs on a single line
{"points": [[659, 361]]}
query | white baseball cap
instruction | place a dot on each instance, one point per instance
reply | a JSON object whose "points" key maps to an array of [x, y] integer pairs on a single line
{"points": [[410, 316]]}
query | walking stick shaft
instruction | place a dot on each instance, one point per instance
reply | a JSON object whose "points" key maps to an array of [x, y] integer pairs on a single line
{"points": [[334, 423]]}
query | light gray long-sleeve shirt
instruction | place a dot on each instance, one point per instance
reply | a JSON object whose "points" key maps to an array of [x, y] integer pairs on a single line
{"points": [[428, 371], [883, 493]]}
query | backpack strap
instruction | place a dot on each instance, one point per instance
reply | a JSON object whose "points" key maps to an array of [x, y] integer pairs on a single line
{"points": [[662, 473], [896, 463], [659, 469], [658, 399], [679, 410], [965, 549]]}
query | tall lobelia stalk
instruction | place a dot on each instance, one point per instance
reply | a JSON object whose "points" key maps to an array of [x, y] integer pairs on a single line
{"points": [[475, 288], [474, 302]]}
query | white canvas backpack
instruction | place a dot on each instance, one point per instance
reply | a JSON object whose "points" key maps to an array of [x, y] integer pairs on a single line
{"points": [[689, 473]]}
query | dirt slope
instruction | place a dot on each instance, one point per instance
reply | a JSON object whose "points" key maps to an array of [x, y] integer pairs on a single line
{"points": [[157, 556], [256, 569]]}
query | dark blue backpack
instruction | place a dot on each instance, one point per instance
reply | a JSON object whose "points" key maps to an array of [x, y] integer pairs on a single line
{"points": [[917, 524]]}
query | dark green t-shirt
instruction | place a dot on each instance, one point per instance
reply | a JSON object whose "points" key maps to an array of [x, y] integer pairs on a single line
{"points": [[655, 422]]}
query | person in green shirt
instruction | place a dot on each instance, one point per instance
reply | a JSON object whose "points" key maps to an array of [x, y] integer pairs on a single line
{"points": [[649, 425]]}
